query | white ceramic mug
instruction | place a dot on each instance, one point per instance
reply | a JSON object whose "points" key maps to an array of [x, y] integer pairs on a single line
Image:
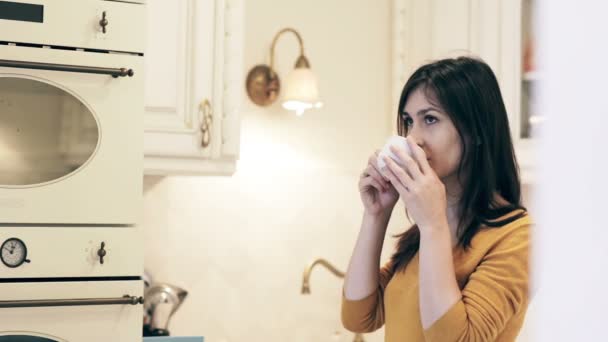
{"points": [[395, 140]]}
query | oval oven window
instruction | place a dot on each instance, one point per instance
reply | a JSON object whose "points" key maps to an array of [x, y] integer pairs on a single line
{"points": [[46, 133]]}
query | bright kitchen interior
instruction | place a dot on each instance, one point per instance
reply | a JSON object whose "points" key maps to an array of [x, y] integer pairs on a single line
{"points": [[189, 168]]}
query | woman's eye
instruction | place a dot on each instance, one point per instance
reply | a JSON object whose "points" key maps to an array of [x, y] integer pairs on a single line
{"points": [[430, 119], [408, 121]]}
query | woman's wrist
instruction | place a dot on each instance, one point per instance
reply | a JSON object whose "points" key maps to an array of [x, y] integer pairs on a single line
{"points": [[377, 218], [435, 233], [376, 222]]}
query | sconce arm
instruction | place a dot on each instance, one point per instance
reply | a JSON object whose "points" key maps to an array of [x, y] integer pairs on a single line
{"points": [[302, 61]]}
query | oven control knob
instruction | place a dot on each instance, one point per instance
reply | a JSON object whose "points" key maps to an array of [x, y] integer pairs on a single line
{"points": [[101, 252]]}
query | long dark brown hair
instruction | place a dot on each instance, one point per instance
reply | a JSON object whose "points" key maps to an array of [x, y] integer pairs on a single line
{"points": [[467, 90]]}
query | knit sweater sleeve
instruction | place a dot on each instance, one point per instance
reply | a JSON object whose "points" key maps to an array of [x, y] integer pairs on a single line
{"points": [[367, 314], [495, 292]]}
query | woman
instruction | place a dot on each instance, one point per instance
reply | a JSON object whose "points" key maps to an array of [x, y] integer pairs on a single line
{"points": [[461, 272]]}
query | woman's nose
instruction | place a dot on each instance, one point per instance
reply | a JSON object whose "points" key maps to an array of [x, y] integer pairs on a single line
{"points": [[415, 137]]}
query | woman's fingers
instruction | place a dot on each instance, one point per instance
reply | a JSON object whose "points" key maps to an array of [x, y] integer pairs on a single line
{"points": [[398, 177], [408, 162], [420, 157], [373, 161], [374, 170], [370, 181], [370, 171]]}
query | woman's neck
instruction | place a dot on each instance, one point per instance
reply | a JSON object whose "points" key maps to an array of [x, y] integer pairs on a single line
{"points": [[453, 198], [453, 215]]}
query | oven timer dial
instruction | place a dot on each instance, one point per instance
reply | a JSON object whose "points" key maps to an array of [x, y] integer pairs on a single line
{"points": [[13, 253]]}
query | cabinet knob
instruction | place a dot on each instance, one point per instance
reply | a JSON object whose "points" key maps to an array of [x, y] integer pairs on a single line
{"points": [[103, 22], [101, 252], [206, 122]]}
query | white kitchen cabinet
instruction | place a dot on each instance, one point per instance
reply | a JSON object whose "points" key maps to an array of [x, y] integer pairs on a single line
{"points": [[425, 30], [194, 54]]}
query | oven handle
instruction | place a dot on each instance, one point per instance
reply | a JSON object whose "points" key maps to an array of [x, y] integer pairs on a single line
{"points": [[121, 72], [126, 299]]}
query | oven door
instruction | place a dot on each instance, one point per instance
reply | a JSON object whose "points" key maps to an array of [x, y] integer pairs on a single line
{"points": [[71, 311], [71, 136]]}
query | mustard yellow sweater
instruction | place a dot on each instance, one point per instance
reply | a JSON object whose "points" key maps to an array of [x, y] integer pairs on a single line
{"points": [[493, 278]]}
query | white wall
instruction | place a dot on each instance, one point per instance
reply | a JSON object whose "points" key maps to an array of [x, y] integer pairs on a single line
{"points": [[239, 244]]}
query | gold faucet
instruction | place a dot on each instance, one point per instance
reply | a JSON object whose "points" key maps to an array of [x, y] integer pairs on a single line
{"points": [[308, 270], [332, 269]]}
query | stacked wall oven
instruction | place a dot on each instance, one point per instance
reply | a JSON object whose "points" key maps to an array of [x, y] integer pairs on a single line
{"points": [[71, 136]]}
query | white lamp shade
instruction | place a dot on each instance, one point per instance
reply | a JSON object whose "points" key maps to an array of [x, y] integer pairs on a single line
{"points": [[301, 91]]}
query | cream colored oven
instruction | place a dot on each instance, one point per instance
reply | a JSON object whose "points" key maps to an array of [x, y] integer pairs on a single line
{"points": [[71, 156], [71, 127]]}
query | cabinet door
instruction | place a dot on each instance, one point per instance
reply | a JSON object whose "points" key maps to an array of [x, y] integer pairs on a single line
{"points": [[497, 31], [426, 30], [186, 65]]}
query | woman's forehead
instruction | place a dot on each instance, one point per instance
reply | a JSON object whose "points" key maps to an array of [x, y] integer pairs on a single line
{"points": [[419, 99]]}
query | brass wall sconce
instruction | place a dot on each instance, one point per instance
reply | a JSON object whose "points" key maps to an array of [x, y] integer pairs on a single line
{"points": [[301, 91]]}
